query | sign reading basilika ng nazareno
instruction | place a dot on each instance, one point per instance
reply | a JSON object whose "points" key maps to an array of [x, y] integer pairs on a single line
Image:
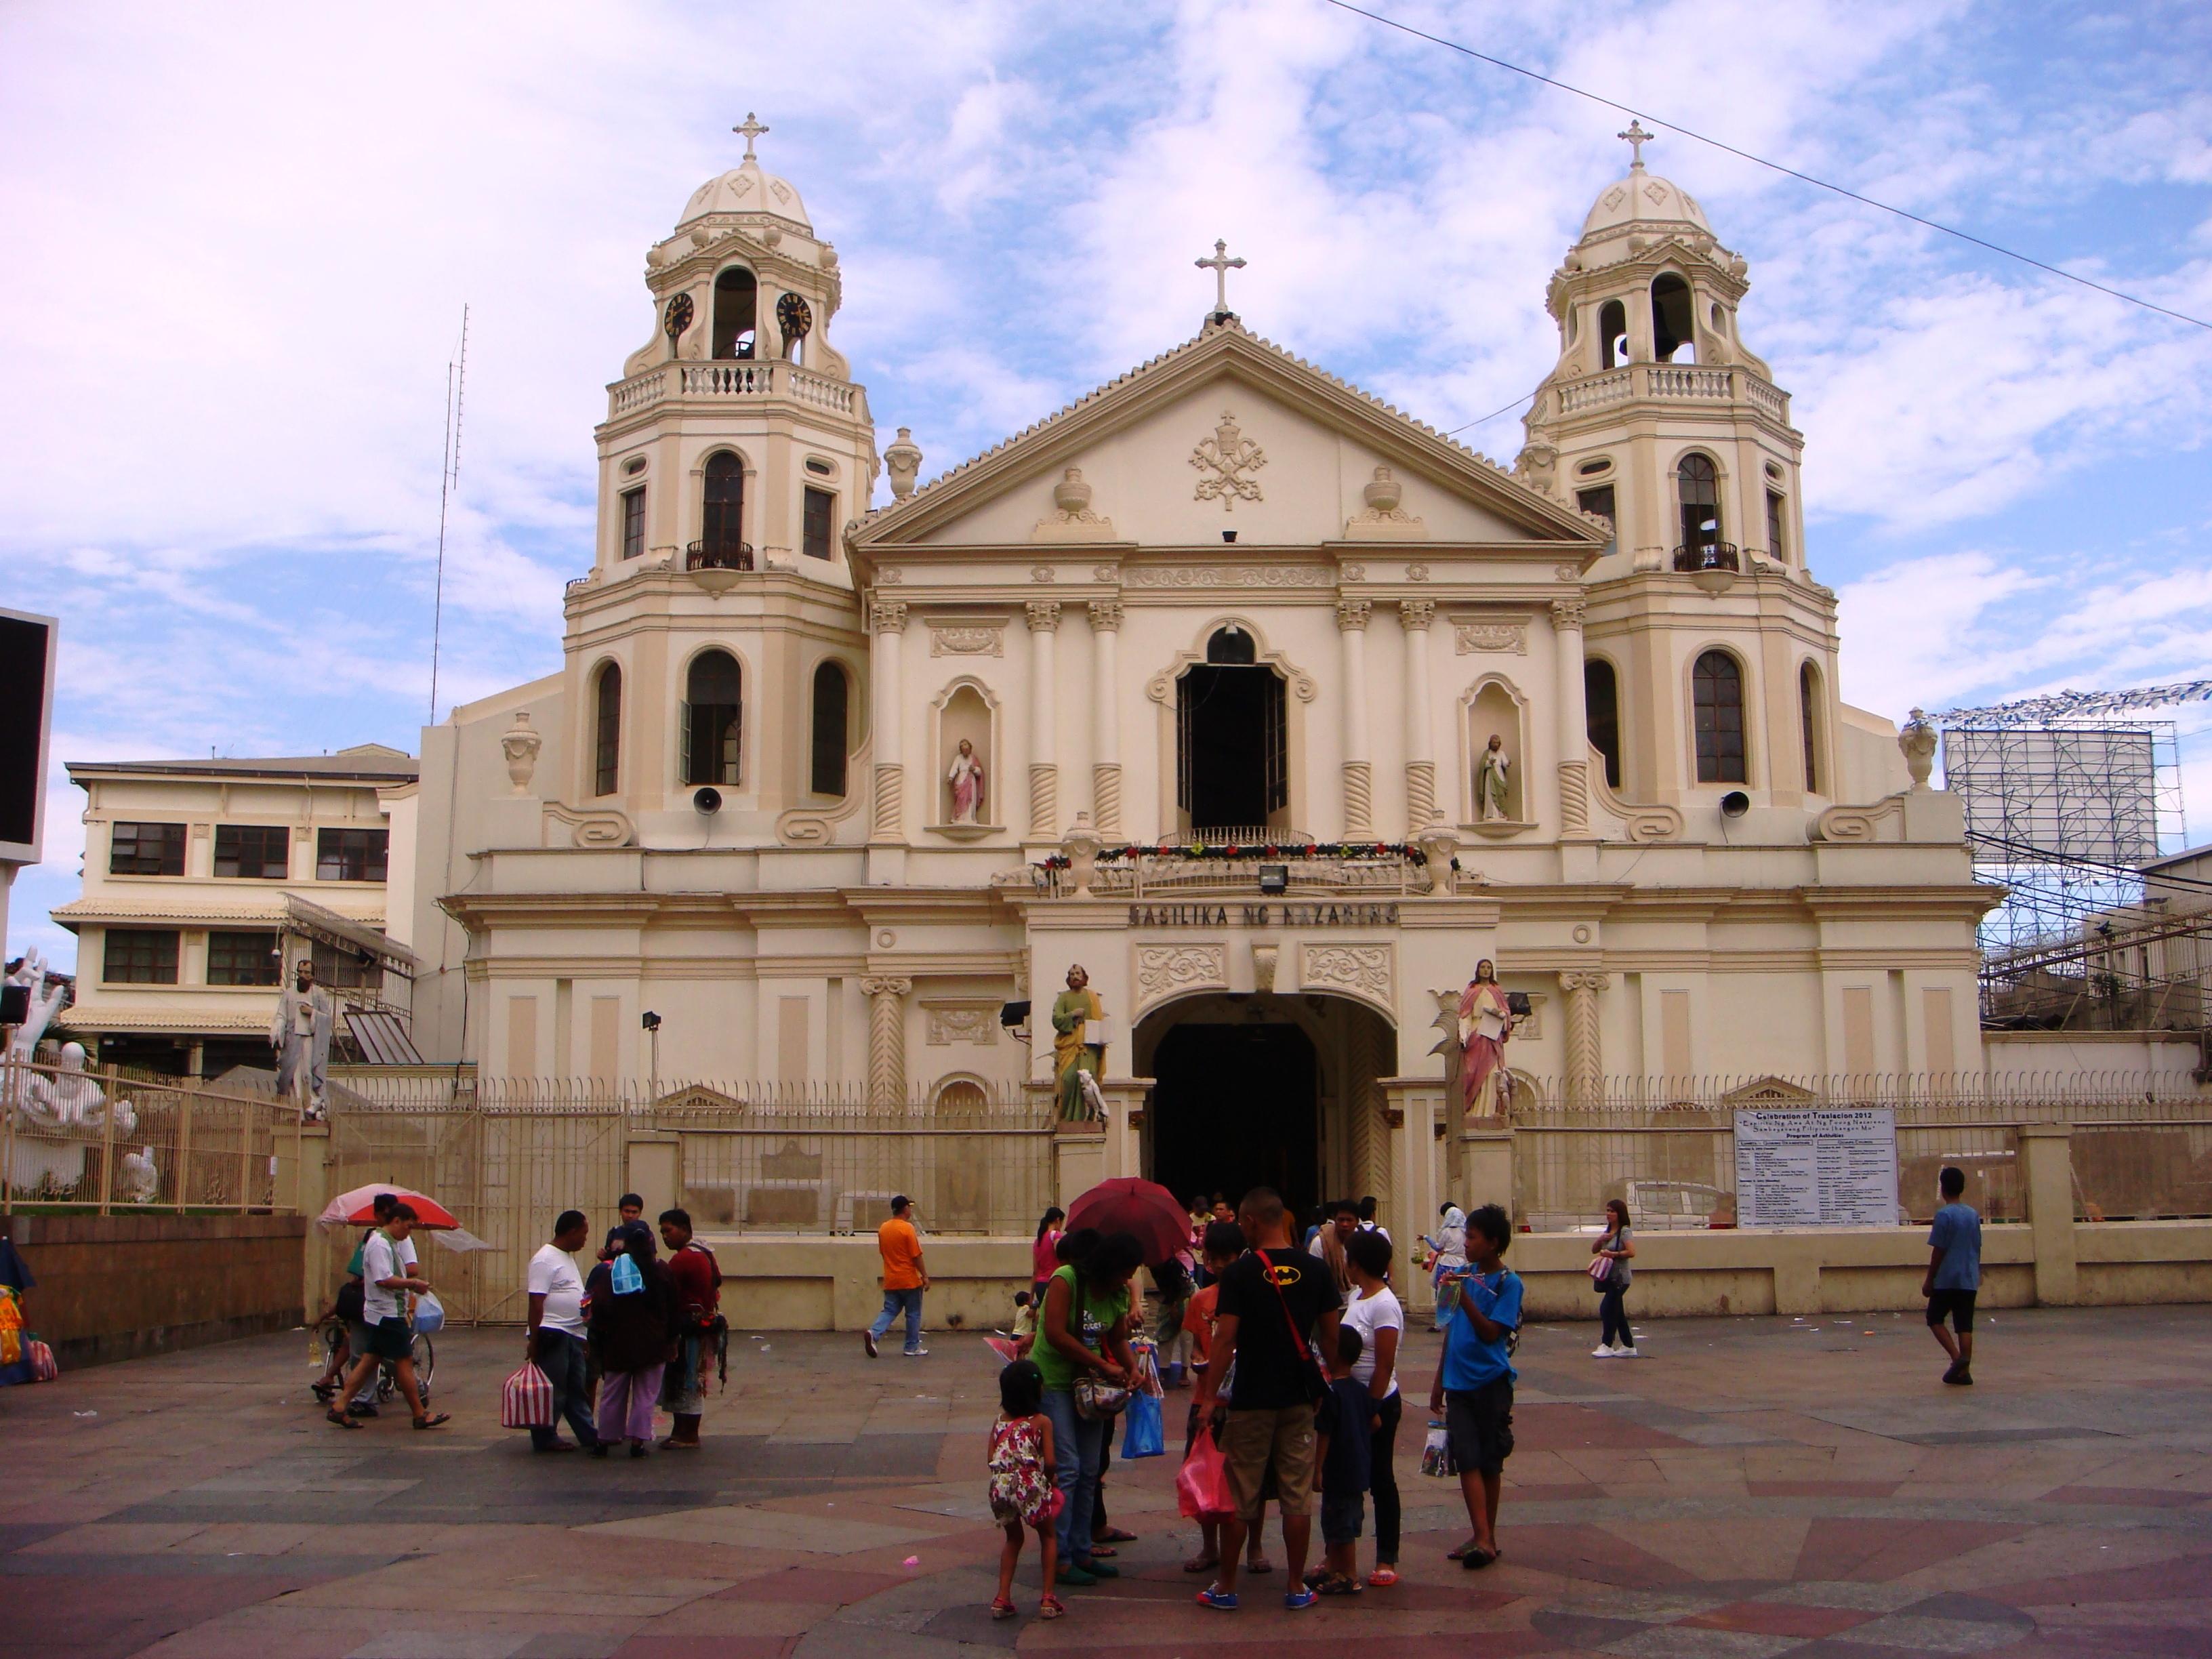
{"points": [[1263, 915]]}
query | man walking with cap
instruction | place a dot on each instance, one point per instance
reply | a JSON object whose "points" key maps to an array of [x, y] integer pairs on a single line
{"points": [[904, 1278]]}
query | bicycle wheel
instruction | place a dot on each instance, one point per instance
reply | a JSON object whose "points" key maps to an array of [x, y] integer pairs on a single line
{"points": [[426, 1361]]}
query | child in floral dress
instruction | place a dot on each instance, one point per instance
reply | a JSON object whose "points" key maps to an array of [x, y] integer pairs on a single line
{"points": [[1022, 1490]]}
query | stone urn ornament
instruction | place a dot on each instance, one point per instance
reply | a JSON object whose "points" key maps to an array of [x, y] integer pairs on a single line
{"points": [[1080, 846], [903, 460], [1917, 740], [1072, 495], [1383, 492], [520, 744]]}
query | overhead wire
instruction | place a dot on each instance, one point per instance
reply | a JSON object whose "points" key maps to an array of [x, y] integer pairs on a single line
{"points": [[1760, 160]]}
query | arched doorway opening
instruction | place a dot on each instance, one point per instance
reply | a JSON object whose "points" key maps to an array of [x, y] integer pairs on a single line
{"points": [[1232, 740], [1265, 1089]]}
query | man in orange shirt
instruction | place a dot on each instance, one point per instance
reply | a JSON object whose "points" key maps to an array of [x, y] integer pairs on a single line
{"points": [[904, 1278]]}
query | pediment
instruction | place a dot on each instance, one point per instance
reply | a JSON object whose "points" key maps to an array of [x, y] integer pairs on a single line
{"points": [[1228, 432]]}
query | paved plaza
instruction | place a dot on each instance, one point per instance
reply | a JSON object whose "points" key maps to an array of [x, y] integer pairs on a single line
{"points": [[1752, 1487]]}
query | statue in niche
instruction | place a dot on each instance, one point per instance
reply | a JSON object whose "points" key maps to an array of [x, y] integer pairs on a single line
{"points": [[966, 779], [300, 1034], [1493, 783], [1486, 1025]]}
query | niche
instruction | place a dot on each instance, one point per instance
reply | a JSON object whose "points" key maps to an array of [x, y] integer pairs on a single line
{"points": [[1494, 709], [967, 783]]}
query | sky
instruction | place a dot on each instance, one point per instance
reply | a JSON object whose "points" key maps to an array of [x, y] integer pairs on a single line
{"points": [[241, 238]]}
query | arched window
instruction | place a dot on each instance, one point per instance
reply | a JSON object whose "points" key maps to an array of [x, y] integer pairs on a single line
{"points": [[714, 719], [1612, 334], [1232, 737], [1697, 486], [606, 736], [1601, 714], [1231, 647], [721, 545], [1674, 323], [1716, 698], [827, 775], [736, 298], [1809, 716]]}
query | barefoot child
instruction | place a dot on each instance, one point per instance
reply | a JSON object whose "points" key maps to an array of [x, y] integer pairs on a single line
{"points": [[1473, 1389], [1022, 1490]]}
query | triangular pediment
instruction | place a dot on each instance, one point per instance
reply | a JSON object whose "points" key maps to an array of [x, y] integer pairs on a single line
{"points": [[1227, 432]]}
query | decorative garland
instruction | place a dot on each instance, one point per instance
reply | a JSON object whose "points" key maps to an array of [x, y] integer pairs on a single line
{"points": [[1206, 853]]}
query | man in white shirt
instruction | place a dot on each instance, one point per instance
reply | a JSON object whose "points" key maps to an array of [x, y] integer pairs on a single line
{"points": [[386, 1282], [556, 1343]]}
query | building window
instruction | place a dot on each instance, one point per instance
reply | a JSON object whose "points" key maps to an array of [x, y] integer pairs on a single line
{"points": [[820, 527], [830, 725], [1808, 717], [1698, 484], [1672, 330], [721, 545], [146, 849], [1717, 695], [737, 295], [1613, 334], [714, 719], [1598, 499], [253, 851], [632, 522], [341, 970], [1601, 714], [140, 956], [1777, 537], [244, 959], [606, 768], [351, 854]]}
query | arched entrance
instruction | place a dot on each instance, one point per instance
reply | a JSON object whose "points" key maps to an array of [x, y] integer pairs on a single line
{"points": [[1262, 1089]]}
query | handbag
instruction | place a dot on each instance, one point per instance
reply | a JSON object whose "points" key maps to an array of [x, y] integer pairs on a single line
{"points": [[525, 1399], [1436, 1454], [1601, 1271], [43, 1368], [1202, 1491], [1317, 1386], [1095, 1399], [1142, 1433]]}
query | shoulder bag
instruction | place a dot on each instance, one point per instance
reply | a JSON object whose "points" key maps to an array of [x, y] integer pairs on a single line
{"points": [[1095, 1399], [1309, 1375]]}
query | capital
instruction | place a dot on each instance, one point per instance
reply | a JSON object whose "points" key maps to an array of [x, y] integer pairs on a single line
{"points": [[884, 984], [1583, 979], [1416, 613], [1105, 614], [1567, 613], [887, 616], [1352, 614], [1044, 615]]}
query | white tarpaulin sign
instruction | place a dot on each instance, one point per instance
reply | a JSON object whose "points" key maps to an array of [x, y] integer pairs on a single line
{"points": [[1824, 1167]]}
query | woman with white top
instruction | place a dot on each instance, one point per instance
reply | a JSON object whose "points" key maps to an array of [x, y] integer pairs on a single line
{"points": [[1374, 1312], [1449, 1248], [1616, 1245]]}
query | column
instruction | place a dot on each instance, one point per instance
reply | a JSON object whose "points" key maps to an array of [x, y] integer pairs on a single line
{"points": [[1105, 719], [888, 618], [1574, 721], [1585, 1060], [1359, 771], [886, 1039], [2046, 1161], [1044, 730], [1415, 616]]}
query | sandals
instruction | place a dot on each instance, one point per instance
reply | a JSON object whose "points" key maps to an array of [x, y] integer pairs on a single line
{"points": [[1337, 1583], [1382, 1577], [1049, 1607], [1474, 1560], [1201, 1563], [1102, 1552], [341, 1418], [1001, 1607], [1113, 1535], [1259, 1564], [1463, 1552], [438, 1420], [323, 1391]]}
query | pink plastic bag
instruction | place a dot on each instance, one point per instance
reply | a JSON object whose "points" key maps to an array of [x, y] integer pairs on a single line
{"points": [[1202, 1483]]}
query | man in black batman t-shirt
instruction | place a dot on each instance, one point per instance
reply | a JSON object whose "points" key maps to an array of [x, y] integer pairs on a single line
{"points": [[1278, 1307]]}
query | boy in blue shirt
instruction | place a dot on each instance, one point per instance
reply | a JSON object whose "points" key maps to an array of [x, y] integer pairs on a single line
{"points": [[1954, 1274], [1345, 1422], [1473, 1389]]}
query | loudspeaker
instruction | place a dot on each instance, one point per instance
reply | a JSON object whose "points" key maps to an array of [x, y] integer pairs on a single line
{"points": [[1735, 803], [708, 800]]}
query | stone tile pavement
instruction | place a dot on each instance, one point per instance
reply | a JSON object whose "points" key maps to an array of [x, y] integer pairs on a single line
{"points": [[1750, 1488]]}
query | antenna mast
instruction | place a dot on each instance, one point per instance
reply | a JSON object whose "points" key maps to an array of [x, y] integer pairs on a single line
{"points": [[449, 483]]}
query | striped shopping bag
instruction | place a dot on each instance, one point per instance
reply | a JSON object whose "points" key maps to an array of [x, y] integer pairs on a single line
{"points": [[525, 1399], [43, 1368]]}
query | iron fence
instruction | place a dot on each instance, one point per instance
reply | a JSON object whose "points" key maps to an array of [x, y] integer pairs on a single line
{"points": [[117, 1141]]}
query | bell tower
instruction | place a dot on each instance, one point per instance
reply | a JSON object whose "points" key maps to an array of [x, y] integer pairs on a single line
{"points": [[1710, 650], [716, 659]]}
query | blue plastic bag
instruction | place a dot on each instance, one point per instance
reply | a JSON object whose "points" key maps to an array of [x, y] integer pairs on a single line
{"points": [[1142, 1436], [626, 1278]]}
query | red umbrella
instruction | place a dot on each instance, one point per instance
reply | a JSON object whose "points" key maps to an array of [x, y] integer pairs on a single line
{"points": [[357, 1208], [1126, 1205]]}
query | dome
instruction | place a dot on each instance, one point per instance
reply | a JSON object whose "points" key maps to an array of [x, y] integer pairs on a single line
{"points": [[1646, 197], [746, 189]]}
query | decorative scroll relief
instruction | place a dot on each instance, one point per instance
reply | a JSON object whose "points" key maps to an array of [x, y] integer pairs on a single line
{"points": [[1166, 971], [1855, 823], [981, 639], [601, 828], [1364, 970], [948, 1023], [1227, 457], [1511, 639], [1233, 575]]}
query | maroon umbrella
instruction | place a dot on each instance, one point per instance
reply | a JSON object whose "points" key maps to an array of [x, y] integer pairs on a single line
{"points": [[1126, 1205]]}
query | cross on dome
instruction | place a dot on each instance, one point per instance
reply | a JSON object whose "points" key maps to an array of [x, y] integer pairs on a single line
{"points": [[752, 128], [1636, 139], [1220, 264]]}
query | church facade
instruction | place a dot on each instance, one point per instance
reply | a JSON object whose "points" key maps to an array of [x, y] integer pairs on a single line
{"points": [[1271, 707]]}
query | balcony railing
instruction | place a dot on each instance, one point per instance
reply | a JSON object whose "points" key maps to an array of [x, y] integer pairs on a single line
{"points": [[1671, 383], [726, 379], [719, 553], [1708, 555]]}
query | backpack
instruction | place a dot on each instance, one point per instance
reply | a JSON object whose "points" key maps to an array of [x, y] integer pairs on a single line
{"points": [[624, 1276]]}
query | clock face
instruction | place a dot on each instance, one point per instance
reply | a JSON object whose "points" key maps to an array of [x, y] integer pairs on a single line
{"points": [[794, 316], [677, 317]]}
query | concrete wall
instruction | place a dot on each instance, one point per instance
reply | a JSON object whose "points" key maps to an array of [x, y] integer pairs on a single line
{"points": [[836, 1284], [114, 1287]]}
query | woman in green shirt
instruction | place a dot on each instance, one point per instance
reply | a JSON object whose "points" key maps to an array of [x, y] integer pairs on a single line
{"points": [[1085, 1328]]}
